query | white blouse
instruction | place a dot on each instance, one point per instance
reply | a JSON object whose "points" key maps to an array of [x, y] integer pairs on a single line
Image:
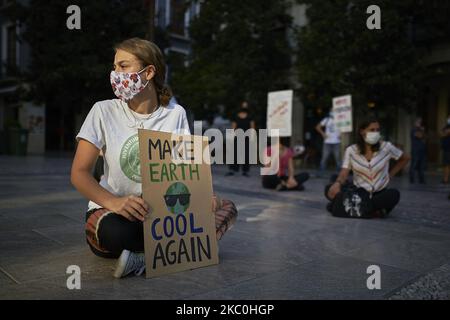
{"points": [[371, 175]]}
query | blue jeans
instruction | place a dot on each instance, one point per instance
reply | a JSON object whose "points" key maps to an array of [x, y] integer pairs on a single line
{"points": [[327, 150]]}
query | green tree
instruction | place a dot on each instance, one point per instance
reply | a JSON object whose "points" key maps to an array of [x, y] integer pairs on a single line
{"points": [[239, 51], [338, 54]]}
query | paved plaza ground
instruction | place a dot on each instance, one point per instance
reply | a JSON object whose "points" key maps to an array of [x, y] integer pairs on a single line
{"points": [[283, 246]]}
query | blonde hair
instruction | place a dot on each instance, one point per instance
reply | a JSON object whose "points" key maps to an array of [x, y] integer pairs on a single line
{"points": [[149, 54]]}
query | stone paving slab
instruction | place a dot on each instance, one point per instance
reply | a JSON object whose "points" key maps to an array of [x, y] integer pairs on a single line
{"points": [[4, 279], [30, 221]]}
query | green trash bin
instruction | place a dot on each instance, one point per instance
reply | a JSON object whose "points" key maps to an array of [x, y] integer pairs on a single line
{"points": [[18, 141]]}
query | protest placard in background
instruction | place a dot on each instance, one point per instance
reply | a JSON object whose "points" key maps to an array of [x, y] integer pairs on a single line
{"points": [[279, 112], [180, 233], [342, 110]]}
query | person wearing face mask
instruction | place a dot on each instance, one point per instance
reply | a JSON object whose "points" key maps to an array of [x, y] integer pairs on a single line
{"points": [[368, 159], [445, 145], [116, 209]]}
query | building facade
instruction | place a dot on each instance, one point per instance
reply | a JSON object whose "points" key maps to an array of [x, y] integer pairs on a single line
{"points": [[173, 17], [15, 113], [433, 103]]}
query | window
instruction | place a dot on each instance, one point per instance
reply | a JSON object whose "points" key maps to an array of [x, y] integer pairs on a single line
{"points": [[11, 48]]}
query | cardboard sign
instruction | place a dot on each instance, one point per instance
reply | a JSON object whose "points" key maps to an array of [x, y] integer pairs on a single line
{"points": [[279, 112], [342, 109], [180, 233]]}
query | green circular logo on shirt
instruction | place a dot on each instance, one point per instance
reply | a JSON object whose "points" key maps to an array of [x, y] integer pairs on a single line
{"points": [[129, 159]]}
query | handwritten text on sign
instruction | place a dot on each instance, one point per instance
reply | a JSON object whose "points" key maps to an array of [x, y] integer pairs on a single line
{"points": [[181, 232], [279, 112]]}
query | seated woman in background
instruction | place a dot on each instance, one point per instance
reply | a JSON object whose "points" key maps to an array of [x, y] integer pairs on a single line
{"points": [[285, 179], [368, 159]]}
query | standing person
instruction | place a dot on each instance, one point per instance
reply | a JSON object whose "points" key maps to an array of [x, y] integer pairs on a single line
{"points": [[368, 159], [285, 179], [241, 121], [98, 169], [116, 209], [445, 144], [331, 141], [418, 152]]}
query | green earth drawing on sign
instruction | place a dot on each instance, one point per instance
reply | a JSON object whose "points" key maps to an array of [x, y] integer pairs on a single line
{"points": [[129, 159], [177, 198]]}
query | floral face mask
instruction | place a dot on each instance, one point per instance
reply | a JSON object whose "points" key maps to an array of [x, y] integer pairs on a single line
{"points": [[126, 85]]}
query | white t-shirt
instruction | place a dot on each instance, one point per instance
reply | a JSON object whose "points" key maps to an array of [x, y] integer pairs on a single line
{"points": [[371, 175], [332, 133], [112, 128]]}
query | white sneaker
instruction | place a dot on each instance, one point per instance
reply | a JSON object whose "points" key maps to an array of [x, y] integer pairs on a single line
{"points": [[129, 262]]}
